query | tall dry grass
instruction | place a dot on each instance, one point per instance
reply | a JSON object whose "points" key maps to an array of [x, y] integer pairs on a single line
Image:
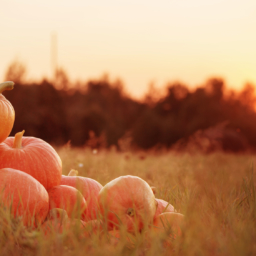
{"points": [[215, 192]]}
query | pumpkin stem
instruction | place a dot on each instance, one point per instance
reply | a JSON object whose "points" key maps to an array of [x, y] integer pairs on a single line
{"points": [[154, 190], [18, 139], [130, 212], [6, 86], [73, 172]]}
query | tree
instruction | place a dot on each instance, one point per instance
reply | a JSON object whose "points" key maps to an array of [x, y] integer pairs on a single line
{"points": [[16, 72]]}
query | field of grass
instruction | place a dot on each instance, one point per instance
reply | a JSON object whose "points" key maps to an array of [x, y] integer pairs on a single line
{"points": [[215, 192]]}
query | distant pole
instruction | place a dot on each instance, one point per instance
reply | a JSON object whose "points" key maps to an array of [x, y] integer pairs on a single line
{"points": [[54, 51]]}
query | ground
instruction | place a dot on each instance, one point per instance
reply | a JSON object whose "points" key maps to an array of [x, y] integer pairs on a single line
{"points": [[215, 192]]}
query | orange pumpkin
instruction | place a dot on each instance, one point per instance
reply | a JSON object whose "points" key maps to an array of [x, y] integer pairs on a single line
{"points": [[92, 227], [68, 199], [90, 190], [33, 156], [52, 226], [7, 114], [57, 220], [54, 221], [127, 200], [163, 206], [26, 196], [168, 226], [57, 214], [115, 236]]}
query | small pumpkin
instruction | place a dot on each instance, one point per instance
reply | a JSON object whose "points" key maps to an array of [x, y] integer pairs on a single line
{"points": [[57, 221], [115, 236], [7, 114], [57, 213], [93, 227], [68, 199], [33, 156], [89, 188], [168, 226], [163, 206], [129, 201], [26, 196]]}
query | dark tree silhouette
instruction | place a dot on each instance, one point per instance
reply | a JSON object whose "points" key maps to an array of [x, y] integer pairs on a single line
{"points": [[99, 113]]}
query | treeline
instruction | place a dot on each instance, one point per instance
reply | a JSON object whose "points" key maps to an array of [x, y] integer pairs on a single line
{"points": [[100, 114]]}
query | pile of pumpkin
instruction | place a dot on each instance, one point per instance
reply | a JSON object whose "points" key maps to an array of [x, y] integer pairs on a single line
{"points": [[32, 184]]}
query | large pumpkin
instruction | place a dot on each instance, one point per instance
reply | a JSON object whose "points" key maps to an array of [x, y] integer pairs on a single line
{"points": [[127, 200], [33, 156], [7, 114], [26, 196], [68, 199], [89, 188]]}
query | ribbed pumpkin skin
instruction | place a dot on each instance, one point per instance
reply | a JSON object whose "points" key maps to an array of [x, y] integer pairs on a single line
{"points": [[28, 197], [7, 116], [36, 157], [161, 207], [89, 188], [123, 196], [68, 199]]}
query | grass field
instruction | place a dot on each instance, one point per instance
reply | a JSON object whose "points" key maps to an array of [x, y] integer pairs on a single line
{"points": [[215, 192]]}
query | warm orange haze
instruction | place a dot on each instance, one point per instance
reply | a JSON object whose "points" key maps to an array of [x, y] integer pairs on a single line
{"points": [[137, 41], [127, 128]]}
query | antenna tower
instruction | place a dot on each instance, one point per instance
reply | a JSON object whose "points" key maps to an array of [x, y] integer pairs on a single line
{"points": [[54, 51]]}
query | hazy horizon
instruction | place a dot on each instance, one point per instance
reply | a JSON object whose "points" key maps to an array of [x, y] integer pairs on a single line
{"points": [[139, 42]]}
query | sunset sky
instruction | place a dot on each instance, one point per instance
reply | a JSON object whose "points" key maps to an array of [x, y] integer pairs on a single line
{"points": [[139, 41]]}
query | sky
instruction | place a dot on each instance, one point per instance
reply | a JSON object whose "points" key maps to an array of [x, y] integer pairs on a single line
{"points": [[138, 41]]}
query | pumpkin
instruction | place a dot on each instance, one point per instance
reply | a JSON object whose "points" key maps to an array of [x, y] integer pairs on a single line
{"points": [[25, 195], [89, 188], [59, 226], [57, 221], [163, 206], [33, 156], [168, 226], [129, 201], [93, 227], [7, 114], [68, 199], [115, 236], [57, 214], [54, 221]]}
